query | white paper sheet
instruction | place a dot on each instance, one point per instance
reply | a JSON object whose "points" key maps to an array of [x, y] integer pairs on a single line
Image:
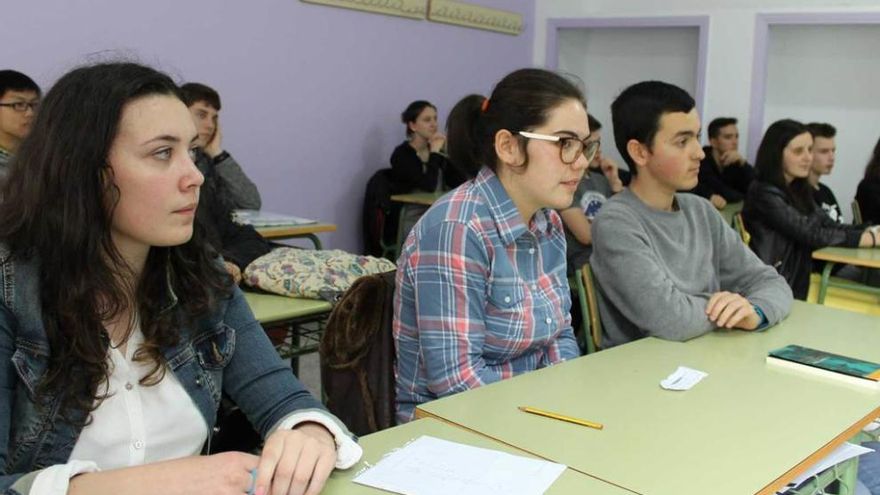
{"points": [[844, 452], [431, 466], [683, 378]]}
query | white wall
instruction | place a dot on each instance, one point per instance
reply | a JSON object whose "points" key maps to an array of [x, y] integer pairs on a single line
{"points": [[730, 50], [836, 70], [624, 56]]}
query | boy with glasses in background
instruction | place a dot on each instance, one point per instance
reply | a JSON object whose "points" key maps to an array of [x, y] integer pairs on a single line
{"points": [[19, 100]]}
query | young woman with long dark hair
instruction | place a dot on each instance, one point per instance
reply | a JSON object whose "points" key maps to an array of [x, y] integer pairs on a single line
{"points": [[779, 212], [119, 327]]}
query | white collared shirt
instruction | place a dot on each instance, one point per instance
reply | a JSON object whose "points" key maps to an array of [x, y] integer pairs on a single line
{"points": [[138, 425]]}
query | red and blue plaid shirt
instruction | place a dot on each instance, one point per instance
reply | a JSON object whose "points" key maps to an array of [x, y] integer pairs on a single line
{"points": [[480, 296]]}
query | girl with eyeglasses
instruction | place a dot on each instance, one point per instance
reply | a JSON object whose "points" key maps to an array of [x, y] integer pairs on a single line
{"points": [[482, 293], [120, 330]]}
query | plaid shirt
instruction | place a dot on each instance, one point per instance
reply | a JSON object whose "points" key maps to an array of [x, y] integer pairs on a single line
{"points": [[480, 297]]}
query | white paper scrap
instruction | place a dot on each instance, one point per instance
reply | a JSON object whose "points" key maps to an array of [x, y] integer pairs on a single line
{"points": [[844, 452], [683, 378], [431, 466]]}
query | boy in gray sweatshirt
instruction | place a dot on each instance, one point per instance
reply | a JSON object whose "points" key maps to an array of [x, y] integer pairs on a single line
{"points": [[666, 264]]}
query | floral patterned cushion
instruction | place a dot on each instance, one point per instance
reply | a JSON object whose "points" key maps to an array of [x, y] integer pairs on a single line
{"points": [[309, 273]]}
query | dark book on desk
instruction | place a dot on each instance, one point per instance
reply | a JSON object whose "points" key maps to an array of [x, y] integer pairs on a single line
{"points": [[844, 368], [259, 218]]}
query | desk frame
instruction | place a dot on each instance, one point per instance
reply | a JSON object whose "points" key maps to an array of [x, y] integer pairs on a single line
{"points": [[833, 256], [306, 231]]}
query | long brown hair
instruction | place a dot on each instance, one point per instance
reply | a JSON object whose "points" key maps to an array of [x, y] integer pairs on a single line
{"points": [[872, 170], [57, 209]]}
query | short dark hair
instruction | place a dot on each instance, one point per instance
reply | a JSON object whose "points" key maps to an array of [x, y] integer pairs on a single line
{"points": [[193, 93], [716, 125], [593, 122], [821, 129], [412, 112], [521, 101], [12, 80], [636, 113], [769, 163]]}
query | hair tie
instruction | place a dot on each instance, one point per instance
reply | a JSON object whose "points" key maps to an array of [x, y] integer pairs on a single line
{"points": [[485, 105]]}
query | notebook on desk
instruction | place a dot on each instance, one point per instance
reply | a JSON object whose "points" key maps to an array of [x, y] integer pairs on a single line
{"points": [[814, 361], [260, 218]]}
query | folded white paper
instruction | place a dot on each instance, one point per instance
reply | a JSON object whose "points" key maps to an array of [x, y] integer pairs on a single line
{"points": [[683, 378]]}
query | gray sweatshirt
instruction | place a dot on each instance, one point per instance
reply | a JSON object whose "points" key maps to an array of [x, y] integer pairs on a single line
{"points": [[242, 191], [656, 270]]}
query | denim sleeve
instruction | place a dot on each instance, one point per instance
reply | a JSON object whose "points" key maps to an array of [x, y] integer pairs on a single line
{"points": [[256, 378], [8, 381]]}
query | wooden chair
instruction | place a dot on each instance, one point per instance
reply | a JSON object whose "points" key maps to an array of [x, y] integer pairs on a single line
{"points": [[591, 326], [740, 227], [857, 213]]}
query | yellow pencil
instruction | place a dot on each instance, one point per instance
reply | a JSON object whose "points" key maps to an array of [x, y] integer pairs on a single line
{"points": [[560, 417]]}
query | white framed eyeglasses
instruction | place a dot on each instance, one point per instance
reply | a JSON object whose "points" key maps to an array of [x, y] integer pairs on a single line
{"points": [[569, 147]]}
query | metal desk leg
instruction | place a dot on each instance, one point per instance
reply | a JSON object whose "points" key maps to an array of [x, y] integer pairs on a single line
{"points": [[823, 283]]}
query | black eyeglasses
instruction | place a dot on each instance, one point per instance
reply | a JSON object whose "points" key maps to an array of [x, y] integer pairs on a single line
{"points": [[22, 106], [569, 147]]}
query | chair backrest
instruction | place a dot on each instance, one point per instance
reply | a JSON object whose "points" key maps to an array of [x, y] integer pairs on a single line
{"points": [[592, 308], [857, 213], [740, 227], [380, 216], [357, 356]]}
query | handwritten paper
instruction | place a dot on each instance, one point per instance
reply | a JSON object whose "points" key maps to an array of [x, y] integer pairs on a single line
{"points": [[431, 466], [683, 378]]}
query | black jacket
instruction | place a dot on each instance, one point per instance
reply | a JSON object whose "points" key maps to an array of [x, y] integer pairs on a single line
{"points": [[868, 196], [409, 174], [785, 238], [731, 183]]}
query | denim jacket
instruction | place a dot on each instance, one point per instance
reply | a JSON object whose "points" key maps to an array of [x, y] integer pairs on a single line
{"points": [[226, 351]]}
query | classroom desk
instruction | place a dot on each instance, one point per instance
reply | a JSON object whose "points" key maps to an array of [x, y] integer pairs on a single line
{"points": [[378, 444], [746, 428], [305, 230], [864, 257], [418, 198], [291, 313]]}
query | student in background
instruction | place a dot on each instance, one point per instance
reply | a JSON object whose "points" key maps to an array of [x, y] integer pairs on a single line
{"points": [[481, 288], [600, 183], [225, 187], [725, 174], [19, 99], [780, 213], [666, 264], [211, 158], [124, 331], [418, 164], [824, 151], [868, 193]]}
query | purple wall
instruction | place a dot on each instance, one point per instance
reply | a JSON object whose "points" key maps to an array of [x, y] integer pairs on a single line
{"points": [[311, 94]]}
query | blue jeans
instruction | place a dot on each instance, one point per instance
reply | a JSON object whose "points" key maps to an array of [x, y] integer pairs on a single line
{"points": [[869, 468]]}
